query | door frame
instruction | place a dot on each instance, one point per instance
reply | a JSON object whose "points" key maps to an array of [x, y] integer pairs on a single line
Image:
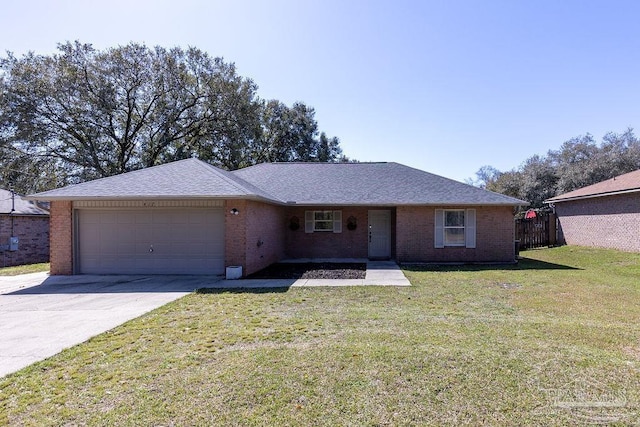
{"points": [[387, 230]]}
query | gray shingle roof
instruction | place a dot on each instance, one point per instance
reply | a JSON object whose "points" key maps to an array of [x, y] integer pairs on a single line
{"points": [[189, 178], [365, 184], [19, 205], [301, 183]]}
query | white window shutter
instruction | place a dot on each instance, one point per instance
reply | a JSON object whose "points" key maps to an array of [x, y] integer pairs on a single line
{"points": [[438, 237], [337, 221], [470, 228], [308, 221]]}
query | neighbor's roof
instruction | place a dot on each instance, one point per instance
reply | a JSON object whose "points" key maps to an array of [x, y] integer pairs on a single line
{"points": [[284, 183], [184, 179], [19, 205], [365, 184], [627, 183]]}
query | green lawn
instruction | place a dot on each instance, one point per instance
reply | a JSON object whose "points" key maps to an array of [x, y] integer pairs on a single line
{"points": [[23, 269], [552, 341]]}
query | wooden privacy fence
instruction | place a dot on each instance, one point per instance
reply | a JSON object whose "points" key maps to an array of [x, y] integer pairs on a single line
{"points": [[536, 232]]}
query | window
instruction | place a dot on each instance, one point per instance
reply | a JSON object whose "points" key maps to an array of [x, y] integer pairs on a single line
{"points": [[323, 221], [455, 227]]}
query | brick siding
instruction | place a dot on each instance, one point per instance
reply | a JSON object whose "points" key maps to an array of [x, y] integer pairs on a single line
{"points": [[265, 235], [605, 222], [348, 244], [260, 235], [254, 238], [33, 235], [61, 238], [235, 235], [415, 231]]}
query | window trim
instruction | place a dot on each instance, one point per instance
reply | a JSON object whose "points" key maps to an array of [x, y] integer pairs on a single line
{"points": [[310, 222], [469, 229]]}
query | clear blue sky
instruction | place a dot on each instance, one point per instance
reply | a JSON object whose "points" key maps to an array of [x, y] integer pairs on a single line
{"points": [[445, 86]]}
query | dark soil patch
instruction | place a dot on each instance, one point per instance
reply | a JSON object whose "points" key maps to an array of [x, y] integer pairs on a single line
{"points": [[313, 270]]}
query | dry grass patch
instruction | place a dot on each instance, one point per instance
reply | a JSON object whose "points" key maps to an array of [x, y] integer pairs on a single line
{"points": [[24, 269], [457, 348]]}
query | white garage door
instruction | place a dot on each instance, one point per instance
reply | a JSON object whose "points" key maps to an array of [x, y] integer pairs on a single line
{"points": [[144, 241]]}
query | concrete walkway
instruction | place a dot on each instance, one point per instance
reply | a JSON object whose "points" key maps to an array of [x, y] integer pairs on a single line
{"points": [[41, 315]]}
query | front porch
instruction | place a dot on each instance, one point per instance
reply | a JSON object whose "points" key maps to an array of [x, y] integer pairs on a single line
{"points": [[378, 273], [346, 232]]}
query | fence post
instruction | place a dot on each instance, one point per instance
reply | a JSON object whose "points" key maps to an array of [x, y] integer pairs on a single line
{"points": [[552, 229]]}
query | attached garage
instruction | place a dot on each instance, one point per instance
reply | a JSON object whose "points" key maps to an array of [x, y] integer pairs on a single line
{"points": [[159, 238]]}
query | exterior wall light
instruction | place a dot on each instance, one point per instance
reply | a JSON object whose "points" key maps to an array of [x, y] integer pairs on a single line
{"points": [[234, 211]]}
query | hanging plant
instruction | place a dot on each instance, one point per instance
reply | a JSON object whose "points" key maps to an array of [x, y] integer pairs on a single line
{"points": [[294, 223], [352, 223]]}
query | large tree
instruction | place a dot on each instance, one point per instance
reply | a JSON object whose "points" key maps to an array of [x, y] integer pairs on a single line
{"points": [[83, 113], [579, 162], [290, 134]]}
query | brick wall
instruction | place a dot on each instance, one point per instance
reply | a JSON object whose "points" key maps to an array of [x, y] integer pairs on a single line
{"points": [[61, 238], [348, 244], [255, 237], [606, 222], [265, 235], [33, 235], [235, 236], [416, 228], [268, 224]]}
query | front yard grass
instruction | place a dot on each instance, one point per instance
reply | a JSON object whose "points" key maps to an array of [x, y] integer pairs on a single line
{"points": [[24, 269], [552, 341]]}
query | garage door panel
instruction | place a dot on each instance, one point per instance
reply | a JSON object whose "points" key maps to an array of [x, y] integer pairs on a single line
{"points": [[104, 218], [124, 218], [160, 218], [184, 241], [142, 234]]}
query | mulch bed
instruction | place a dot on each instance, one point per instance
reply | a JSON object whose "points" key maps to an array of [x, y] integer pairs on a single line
{"points": [[319, 270]]}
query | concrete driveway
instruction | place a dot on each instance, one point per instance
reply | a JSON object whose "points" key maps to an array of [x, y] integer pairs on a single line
{"points": [[42, 315]]}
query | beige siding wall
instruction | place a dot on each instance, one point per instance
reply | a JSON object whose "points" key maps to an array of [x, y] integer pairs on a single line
{"points": [[415, 231], [605, 222]]}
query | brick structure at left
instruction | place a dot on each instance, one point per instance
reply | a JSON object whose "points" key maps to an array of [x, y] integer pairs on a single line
{"points": [[61, 238]]}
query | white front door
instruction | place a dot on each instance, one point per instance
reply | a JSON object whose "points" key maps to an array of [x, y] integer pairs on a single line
{"points": [[379, 234]]}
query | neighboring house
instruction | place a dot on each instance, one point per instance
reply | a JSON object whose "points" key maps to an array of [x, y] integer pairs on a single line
{"points": [[24, 231], [188, 217], [605, 215]]}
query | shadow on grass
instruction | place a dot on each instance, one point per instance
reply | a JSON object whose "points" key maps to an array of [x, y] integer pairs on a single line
{"points": [[243, 290], [523, 264]]}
